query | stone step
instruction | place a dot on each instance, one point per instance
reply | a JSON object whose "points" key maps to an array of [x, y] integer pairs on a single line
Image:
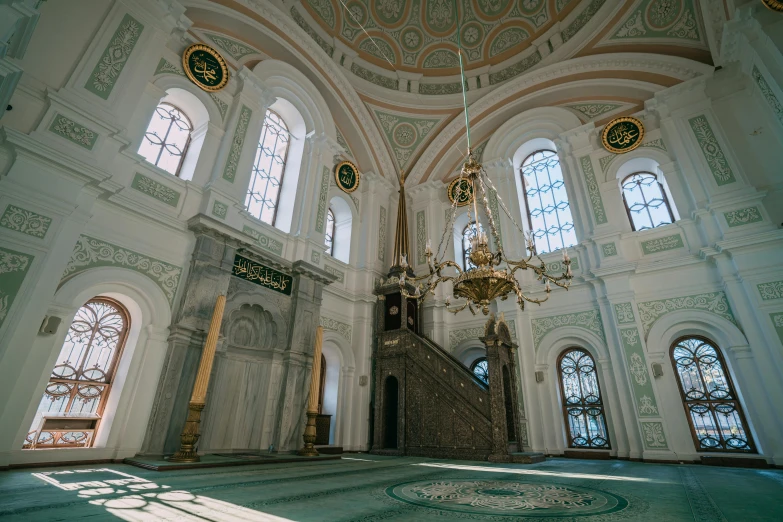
{"points": [[527, 457], [329, 450]]}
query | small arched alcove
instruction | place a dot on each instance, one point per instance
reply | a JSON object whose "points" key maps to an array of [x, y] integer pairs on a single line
{"points": [[390, 413]]}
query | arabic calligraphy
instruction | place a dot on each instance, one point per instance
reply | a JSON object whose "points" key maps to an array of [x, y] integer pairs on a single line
{"points": [[622, 135], [461, 192], [347, 176], [261, 275], [205, 67]]}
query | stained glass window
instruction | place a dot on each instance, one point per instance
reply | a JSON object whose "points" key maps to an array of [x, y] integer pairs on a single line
{"points": [[469, 233], [166, 140], [329, 237], [82, 376], [712, 406], [266, 179], [548, 210], [645, 201], [583, 408], [480, 369]]}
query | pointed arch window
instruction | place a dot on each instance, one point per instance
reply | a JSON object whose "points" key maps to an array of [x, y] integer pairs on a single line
{"points": [[480, 369], [711, 403], [330, 229], [167, 138], [266, 180], [583, 407], [645, 201], [469, 234], [82, 377], [548, 211]]}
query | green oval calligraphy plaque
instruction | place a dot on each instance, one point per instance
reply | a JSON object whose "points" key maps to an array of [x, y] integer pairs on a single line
{"points": [[205, 67], [347, 176], [461, 191], [622, 135]]}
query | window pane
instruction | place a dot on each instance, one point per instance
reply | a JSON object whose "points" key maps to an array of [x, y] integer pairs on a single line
{"points": [[582, 405], [167, 138], [646, 201], [268, 168], [547, 202], [469, 233], [329, 237], [480, 369]]}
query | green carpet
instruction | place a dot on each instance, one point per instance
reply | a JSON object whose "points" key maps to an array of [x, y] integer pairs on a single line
{"points": [[368, 488]]}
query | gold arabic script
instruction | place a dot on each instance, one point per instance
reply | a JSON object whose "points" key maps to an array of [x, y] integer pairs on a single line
{"points": [[261, 274]]}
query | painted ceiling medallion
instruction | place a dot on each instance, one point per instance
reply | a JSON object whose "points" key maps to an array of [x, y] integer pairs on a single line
{"points": [[622, 135], [460, 191], [347, 176], [775, 5], [205, 67]]}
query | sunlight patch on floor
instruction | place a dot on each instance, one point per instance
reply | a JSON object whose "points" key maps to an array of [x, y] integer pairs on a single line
{"points": [[534, 472]]}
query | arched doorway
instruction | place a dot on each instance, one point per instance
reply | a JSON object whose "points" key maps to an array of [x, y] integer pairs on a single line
{"points": [[390, 405]]}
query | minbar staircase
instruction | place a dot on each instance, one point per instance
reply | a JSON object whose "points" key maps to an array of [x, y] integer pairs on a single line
{"points": [[427, 403]]}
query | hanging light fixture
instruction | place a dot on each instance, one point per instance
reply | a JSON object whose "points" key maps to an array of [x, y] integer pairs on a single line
{"points": [[492, 275]]}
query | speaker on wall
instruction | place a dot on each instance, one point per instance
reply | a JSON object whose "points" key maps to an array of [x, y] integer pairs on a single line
{"points": [[50, 324], [539, 376], [657, 369]]}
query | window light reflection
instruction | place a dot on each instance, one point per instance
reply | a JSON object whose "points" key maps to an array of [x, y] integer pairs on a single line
{"points": [[536, 472]]}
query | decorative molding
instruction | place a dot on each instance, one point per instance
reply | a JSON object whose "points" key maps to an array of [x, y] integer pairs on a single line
{"points": [[594, 192], [494, 206], [404, 134], [232, 162], [581, 20], [641, 383], [90, 252], [609, 249], [221, 105], [743, 216], [13, 270], [653, 435], [768, 93], [382, 235], [714, 302], [589, 320], [470, 334], [320, 217], [343, 329], [25, 221], [421, 237], [166, 67], [73, 132], [777, 322], [113, 59], [593, 110], [607, 160], [315, 257], [264, 241], [301, 22], [662, 244], [712, 151], [339, 274], [771, 290], [219, 209], [153, 189], [624, 313], [235, 49], [656, 19], [559, 267]]}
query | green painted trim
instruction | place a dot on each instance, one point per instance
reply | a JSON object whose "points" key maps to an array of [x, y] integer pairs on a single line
{"points": [[339, 274], [460, 335], [434, 89], [90, 252], [25, 221], [662, 244], [645, 402], [421, 237], [712, 151], [768, 93], [770, 291], [382, 235], [653, 436], [713, 302], [219, 209], [609, 249], [221, 105], [593, 190], [73, 132], [588, 320], [581, 20], [404, 134], [13, 270], [301, 22], [114, 58], [156, 190], [593, 110], [743, 216], [323, 194], [373, 77], [234, 153], [557, 267], [777, 322], [166, 67], [264, 241], [234, 48], [652, 19], [623, 313], [515, 69]]}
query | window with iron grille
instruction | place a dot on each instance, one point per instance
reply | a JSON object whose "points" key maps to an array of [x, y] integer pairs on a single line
{"points": [[645, 201], [329, 237], [167, 138], [469, 233], [548, 210], [583, 408], [480, 369], [266, 180]]}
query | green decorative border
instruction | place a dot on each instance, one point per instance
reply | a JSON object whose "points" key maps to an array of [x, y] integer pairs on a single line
{"points": [[582, 19], [25, 221], [623, 312], [90, 252], [235, 49], [156, 190], [662, 244], [768, 94], [593, 190], [743, 216], [382, 234], [13, 270], [473, 333], [219, 209], [771, 290], [232, 161], [73, 132], [166, 67], [653, 436], [712, 151], [609, 249], [645, 402], [713, 302], [301, 22], [323, 194], [589, 320], [344, 329], [558, 267], [373, 77], [421, 237], [114, 58], [264, 241], [777, 323]]}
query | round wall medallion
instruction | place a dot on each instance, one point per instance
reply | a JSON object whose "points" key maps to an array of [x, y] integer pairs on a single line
{"points": [[622, 135], [347, 176], [460, 191], [205, 67], [775, 5]]}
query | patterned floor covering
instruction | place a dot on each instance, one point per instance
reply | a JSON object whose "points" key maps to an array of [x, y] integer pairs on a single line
{"points": [[367, 488]]}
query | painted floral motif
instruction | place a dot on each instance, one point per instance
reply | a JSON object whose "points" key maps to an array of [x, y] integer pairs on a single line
{"points": [[155, 190], [439, 88], [405, 134], [25, 221], [237, 50], [713, 153], [221, 105], [714, 302], [638, 369], [582, 19], [377, 48], [13, 269], [743, 216], [516, 69], [771, 290], [589, 320], [114, 58], [264, 241], [382, 235], [609, 249], [624, 312], [421, 237], [320, 218], [345, 330], [685, 28], [441, 59], [219, 209], [440, 15], [373, 77], [473, 333], [593, 110], [630, 336], [646, 406], [653, 435], [72, 131], [166, 67], [593, 191], [13, 262], [768, 94], [324, 9], [663, 13], [662, 244], [232, 162], [301, 22], [507, 39], [632, 27]]}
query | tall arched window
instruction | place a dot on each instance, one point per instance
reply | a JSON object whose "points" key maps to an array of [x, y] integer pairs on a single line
{"points": [[583, 408], [469, 234], [81, 380], [548, 210], [480, 369], [266, 180], [329, 237], [711, 403], [645, 201], [167, 138]]}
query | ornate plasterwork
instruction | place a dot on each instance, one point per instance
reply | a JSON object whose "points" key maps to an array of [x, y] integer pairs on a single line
{"points": [[13, 269], [382, 235], [641, 382], [662, 244], [654, 437], [232, 161], [768, 93], [473, 333], [743, 216], [25, 221], [90, 252], [713, 153], [301, 22], [405, 134], [219, 209], [777, 323], [771, 290], [609, 249], [660, 19], [589, 320], [624, 313], [713, 302], [605, 161], [593, 110], [113, 59], [264, 241], [166, 67], [593, 191], [155, 190], [73, 132], [345, 330], [343, 142], [421, 237], [323, 194], [581, 20], [315, 257], [235, 49], [339, 274]]}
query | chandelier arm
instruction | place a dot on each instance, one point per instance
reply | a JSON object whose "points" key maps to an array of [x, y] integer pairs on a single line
{"points": [[455, 311]]}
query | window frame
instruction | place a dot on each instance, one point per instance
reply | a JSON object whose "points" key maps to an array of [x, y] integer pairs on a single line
{"points": [[646, 205], [254, 167], [331, 235], [466, 253], [475, 363], [564, 403], [163, 145], [732, 388]]}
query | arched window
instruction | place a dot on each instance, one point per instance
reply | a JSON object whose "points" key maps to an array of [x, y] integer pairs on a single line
{"points": [[329, 237], [548, 210], [711, 403], [268, 168], [81, 380], [480, 369], [645, 201], [583, 408], [469, 234], [167, 138]]}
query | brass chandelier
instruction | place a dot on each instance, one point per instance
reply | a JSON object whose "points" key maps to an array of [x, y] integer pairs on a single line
{"points": [[485, 281]]}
